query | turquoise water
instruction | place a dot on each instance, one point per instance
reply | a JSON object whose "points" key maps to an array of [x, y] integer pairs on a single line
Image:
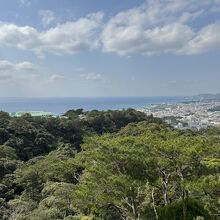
{"points": [[61, 105]]}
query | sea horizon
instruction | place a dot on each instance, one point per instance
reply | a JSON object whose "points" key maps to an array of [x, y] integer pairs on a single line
{"points": [[59, 105]]}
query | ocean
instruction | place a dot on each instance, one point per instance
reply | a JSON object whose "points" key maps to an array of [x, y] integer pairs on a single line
{"points": [[61, 105]]}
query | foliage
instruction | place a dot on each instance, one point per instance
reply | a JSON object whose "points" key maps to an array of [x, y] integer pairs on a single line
{"points": [[107, 165]]}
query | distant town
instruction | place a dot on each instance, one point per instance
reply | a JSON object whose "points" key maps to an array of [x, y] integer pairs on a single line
{"points": [[195, 115]]}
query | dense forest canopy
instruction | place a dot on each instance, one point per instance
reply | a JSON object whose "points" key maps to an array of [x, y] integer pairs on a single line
{"points": [[110, 165]]}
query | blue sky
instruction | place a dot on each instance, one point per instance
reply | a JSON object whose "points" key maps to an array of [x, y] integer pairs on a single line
{"points": [[109, 47]]}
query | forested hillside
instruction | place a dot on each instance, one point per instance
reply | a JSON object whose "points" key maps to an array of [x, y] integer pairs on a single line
{"points": [[112, 165]]}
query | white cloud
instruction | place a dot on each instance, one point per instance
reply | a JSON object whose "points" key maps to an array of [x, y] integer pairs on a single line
{"points": [[56, 77], [208, 38], [168, 38], [6, 65], [159, 27], [27, 66], [47, 17], [17, 73], [67, 38], [154, 27], [92, 76], [16, 79]]}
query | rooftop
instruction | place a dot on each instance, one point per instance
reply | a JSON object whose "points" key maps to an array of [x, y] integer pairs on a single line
{"points": [[32, 113]]}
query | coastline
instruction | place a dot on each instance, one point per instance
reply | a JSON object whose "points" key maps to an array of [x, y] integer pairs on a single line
{"points": [[58, 105]]}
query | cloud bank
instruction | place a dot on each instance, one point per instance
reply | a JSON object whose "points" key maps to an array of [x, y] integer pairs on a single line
{"points": [[161, 26], [67, 38], [154, 27]]}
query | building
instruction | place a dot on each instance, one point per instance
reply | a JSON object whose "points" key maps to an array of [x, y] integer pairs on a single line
{"points": [[32, 113]]}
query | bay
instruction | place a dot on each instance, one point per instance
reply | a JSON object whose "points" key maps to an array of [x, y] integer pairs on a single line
{"points": [[61, 105]]}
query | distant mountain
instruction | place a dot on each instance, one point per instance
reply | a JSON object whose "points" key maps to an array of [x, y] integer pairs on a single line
{"points": [[209, 96]]}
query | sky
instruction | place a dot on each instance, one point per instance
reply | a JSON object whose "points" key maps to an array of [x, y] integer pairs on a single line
{"points": [[77, 48]]}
